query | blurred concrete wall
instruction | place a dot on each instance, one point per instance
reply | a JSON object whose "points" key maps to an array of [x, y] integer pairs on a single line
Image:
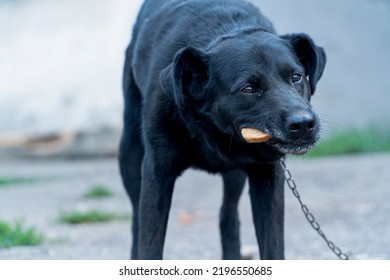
{"points": [[61, 61], [61, 64]]}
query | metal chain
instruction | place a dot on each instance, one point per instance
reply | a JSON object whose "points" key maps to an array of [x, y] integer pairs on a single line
{"points": [[309, 216]]}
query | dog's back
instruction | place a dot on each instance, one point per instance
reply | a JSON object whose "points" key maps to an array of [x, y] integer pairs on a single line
{"points": [[164, 27]]}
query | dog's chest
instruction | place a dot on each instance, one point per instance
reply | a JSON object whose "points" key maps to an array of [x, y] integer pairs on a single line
{"points": [[213, 156]]}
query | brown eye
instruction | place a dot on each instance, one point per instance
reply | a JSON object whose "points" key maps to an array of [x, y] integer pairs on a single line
{"points": [[296, 78], [248, 89]]}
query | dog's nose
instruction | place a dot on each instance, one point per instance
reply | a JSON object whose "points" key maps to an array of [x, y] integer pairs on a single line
{"points": [[300, 123]]}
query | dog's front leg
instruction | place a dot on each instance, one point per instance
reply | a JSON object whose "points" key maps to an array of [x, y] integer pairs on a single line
{"points": [[155, 203], [267, 198], [233, 184]]}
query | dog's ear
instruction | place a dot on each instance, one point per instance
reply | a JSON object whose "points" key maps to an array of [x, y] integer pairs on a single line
{"points": [[311, 56], [186, 76]]}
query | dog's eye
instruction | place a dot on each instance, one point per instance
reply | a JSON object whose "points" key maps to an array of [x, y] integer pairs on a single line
{"points": [[296, 78], [248, 89]]}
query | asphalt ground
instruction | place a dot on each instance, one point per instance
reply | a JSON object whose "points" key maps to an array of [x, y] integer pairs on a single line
{"points": [[348, 195]]}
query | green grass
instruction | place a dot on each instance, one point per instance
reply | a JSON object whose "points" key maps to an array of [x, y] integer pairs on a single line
{"points": [[353, 141], [92, 216], [8, 181], [18, 235], [98, 191]]}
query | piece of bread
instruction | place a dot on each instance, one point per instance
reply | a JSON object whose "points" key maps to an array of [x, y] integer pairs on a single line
{"points": [[253, 135]]}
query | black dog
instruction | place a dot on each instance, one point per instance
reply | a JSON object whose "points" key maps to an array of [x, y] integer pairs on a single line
{"points": [[197, 73]]}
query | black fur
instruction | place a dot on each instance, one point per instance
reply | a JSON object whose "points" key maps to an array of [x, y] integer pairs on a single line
{"points": [[196, 72]]}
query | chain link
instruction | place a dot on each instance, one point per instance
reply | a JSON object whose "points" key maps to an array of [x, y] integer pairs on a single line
{"points": [[309, 216]]}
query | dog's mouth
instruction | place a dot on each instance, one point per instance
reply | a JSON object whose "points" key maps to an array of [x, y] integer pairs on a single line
{"points": [[295, 148], [278, 141]]}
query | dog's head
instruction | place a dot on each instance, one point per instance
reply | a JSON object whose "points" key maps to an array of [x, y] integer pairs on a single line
{"points": [[256, 80]]}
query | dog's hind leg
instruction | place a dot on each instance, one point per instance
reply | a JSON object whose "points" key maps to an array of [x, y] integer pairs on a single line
{"points": [[233, 184], [131, 149], [266, 189]]}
